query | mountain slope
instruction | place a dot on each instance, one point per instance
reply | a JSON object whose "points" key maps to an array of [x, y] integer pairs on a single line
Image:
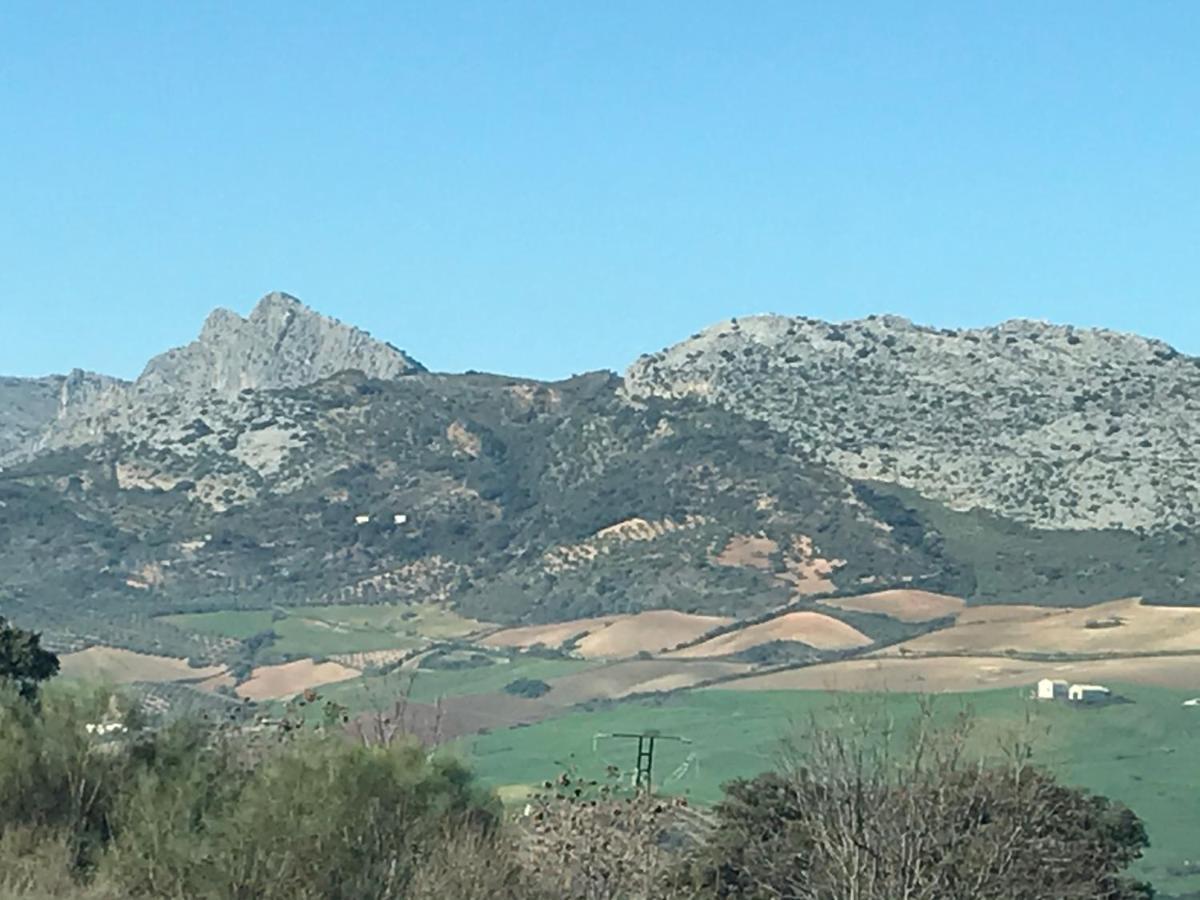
{"points": [[287, 459], [1051, 426]]}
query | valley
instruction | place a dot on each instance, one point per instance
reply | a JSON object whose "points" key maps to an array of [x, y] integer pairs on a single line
{"points": [[737, 534]]}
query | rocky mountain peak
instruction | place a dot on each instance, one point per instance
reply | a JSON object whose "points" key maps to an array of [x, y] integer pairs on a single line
{"points": [[282, 343]]}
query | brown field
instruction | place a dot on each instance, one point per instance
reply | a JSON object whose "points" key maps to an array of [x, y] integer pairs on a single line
{"points": [[615, 637], [456, 716], [115, 666], [1142, 629], [284, 681], [452, 718], [636, 676], [903, 605], [812, 628], [1004, 612], [549, 635], [960, 674], [652, 631]]}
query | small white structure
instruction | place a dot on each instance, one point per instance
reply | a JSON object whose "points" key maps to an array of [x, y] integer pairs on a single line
{"points": [[104, 728], [1088, 693], [362, 519], [399, 519], [1195, 701], [1051, 689]]}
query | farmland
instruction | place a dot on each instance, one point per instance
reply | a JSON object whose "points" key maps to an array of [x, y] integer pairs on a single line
{"points": [[1142, 752], [330, 630]]}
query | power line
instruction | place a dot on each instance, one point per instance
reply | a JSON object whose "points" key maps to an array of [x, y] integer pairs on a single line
{"points": [[643, 778]]}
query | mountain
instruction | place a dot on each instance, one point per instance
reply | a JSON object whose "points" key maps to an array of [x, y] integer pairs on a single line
{"points": [[1051, 426], [30, 407], [27, 407], [287, 459], [281, 344]]}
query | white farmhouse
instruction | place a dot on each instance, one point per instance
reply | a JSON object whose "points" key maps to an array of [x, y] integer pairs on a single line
{"points": [[1088, 693], [1051, 689]]}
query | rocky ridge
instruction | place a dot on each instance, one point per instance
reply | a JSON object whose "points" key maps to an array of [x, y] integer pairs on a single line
{"points": [[1052, 426], [281, 344]]}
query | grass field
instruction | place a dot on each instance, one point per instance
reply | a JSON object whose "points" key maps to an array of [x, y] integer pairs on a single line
{"points": [[328, 630], [377, 692], [1144, 753]]}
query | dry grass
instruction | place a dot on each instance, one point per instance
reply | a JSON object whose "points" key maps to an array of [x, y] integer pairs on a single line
{"points": [[547, 635], [637, 676], [961, 674], [1135, 629], [812, 628], [652, 632], [613, 637], [902, 605], [286, 680], [111, 665]]}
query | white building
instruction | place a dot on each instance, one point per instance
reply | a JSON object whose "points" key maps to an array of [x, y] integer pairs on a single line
{"points": [[362, 519], [1088, 693], [399, 519], [1051, 689]]}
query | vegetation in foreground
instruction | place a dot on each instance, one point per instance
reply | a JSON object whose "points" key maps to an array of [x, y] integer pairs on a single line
{"points": [[215, 812]]}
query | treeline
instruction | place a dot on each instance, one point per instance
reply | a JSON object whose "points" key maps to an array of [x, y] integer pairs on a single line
{"points": [[198, 810]]}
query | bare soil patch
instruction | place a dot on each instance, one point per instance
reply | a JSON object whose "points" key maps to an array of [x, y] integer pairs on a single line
{"points": [[903, 605], [637, 676], [652, 632], [807, 572], [1121, 626], [812, 628], [286, 680], [548, 635], [116, 666], [747, 550]]}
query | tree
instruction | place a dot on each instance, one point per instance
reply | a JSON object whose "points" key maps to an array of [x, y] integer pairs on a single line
{"points": [[23, 662], [854, 816]]}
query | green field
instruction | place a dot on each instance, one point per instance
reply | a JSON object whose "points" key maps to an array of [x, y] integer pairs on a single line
{"points": [[329, 630], [374, 692], [1144, 753]]}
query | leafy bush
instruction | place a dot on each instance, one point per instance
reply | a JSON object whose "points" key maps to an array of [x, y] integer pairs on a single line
{"points": [[527, 687]]}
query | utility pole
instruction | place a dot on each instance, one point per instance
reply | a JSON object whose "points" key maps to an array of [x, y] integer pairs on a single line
{"points": [[645, 752]]}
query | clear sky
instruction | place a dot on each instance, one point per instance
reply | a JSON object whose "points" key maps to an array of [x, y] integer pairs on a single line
{"points": [[545, 188]]}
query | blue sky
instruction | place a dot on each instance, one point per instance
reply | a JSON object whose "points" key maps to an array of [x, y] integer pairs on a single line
{"points": [[546, 188]]}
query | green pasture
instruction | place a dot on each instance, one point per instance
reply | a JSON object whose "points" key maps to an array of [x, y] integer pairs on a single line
{"points": [[1145, 753], [376, 692], [329, 630]]}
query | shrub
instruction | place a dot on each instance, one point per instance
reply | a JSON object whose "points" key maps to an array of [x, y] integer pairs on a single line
{"points": [[856, 815], [527, 687]]}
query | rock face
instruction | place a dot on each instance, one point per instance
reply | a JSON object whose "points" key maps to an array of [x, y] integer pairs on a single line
{"points": [[1052, 426], [29, 407], [281, 344]]}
